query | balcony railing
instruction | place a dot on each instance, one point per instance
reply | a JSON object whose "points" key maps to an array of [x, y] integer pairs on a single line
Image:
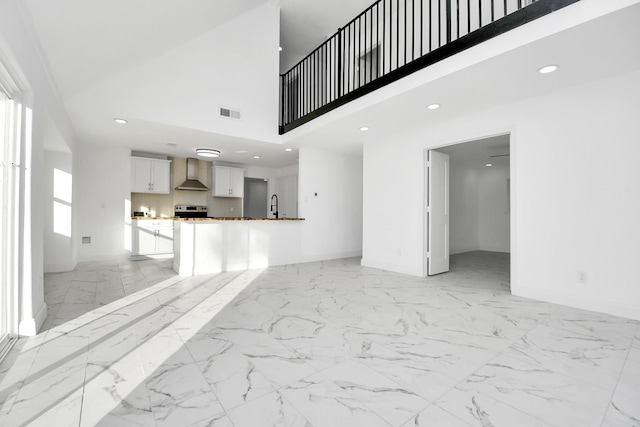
{"points": [[390, 40]]}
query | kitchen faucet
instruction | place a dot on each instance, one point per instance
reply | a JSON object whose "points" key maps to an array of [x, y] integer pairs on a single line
{"points": [[275, 214]]}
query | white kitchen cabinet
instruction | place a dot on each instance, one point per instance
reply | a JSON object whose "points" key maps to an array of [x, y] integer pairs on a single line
{"points": [[228, 181], [150, 175], [152, 237]]}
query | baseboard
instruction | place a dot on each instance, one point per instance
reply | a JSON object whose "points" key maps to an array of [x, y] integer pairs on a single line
{"points": [[577, 301], [396, 268], [30, 327], [464, 250], [60, 267], [107, 257], [147, 257]]}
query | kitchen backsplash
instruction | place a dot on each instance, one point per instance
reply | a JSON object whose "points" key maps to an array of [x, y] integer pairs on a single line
{"points": [[225, 206], [160, 205]]}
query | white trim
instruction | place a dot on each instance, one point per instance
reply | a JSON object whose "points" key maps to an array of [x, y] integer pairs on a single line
{"points": [[395, 268], [30, 327], [577, 301], [59, 267]]}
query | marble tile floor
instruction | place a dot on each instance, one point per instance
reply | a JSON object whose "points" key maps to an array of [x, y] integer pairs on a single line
{"points": [[319, 344]]}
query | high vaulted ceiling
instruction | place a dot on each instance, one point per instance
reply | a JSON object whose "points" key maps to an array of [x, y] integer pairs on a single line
{"points": [[86, 43]]}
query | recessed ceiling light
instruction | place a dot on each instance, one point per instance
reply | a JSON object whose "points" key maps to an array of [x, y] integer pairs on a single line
{"points": [[288, 149], [548, 69], [241, 152], [207, 152], [280, 49], [256, 157], [489, 165], [172, 144], [121, 121], [433, 106], [364, 128]]}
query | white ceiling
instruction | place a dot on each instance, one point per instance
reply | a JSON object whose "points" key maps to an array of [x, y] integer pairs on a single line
{"points": [[476, 154], [85, 43]]}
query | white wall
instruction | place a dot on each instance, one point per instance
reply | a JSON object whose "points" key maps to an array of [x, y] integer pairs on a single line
{"points": [[103, 192], [330, 200], [60, 249], [463, 205], [41, 104], [493, 212], [574, 203]]}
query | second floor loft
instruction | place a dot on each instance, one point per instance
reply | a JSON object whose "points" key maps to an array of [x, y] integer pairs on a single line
{"points": [[390, 40]]}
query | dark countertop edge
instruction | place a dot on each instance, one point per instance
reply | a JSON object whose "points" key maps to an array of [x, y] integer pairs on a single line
{"points": [[150, 218], [237, 219], [140, 218]]}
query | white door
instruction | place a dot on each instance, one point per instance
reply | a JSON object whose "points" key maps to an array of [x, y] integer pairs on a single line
{"points": [[437, 213]]}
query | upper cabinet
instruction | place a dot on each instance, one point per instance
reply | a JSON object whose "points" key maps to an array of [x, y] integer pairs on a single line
{"points": [[228, 182], [150, 175]]}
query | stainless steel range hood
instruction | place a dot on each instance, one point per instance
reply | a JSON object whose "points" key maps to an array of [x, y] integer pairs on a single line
{"points": [[192, 182]]}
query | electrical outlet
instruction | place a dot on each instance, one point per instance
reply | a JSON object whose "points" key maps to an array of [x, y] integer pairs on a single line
{"points": [[582, 277]]}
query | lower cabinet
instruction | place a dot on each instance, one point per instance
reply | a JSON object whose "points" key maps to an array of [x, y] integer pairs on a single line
{"points": [[152, 237]]}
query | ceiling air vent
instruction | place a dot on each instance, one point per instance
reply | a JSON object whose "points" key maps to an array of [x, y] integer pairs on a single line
{"points": [[229, 113]]}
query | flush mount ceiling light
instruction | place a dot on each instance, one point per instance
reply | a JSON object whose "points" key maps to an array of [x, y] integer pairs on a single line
{"points": [[548, 69], [207, 152], [364, 128], [433, 106], [121, 121]]}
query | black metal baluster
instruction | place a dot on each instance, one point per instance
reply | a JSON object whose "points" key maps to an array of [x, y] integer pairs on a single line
{"points": [[430, 26], [348, 60], [479, 13], [519, 4], [439, 23], [405, 33], [468, 16], [448, 17], [397, 33], [313, 80], [413, 33], [505, 8], [421, 27], [378, 39], [384, 38], [371, 45], [493, 11]]}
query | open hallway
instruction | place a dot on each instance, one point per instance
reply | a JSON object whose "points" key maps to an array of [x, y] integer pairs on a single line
{"points": [[319, 344]]}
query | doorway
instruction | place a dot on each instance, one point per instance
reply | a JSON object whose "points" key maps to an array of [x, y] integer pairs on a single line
{"points": [[479, 199], [255, 198]]}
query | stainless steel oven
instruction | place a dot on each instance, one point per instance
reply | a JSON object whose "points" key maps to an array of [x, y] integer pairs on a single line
{"points": [[190, 211]]}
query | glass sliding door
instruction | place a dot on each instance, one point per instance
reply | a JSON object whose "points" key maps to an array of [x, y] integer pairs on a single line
{"points": [[9, 191]]}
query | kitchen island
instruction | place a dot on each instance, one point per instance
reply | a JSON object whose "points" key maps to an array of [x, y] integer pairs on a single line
{"points": [[212, 245]]}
